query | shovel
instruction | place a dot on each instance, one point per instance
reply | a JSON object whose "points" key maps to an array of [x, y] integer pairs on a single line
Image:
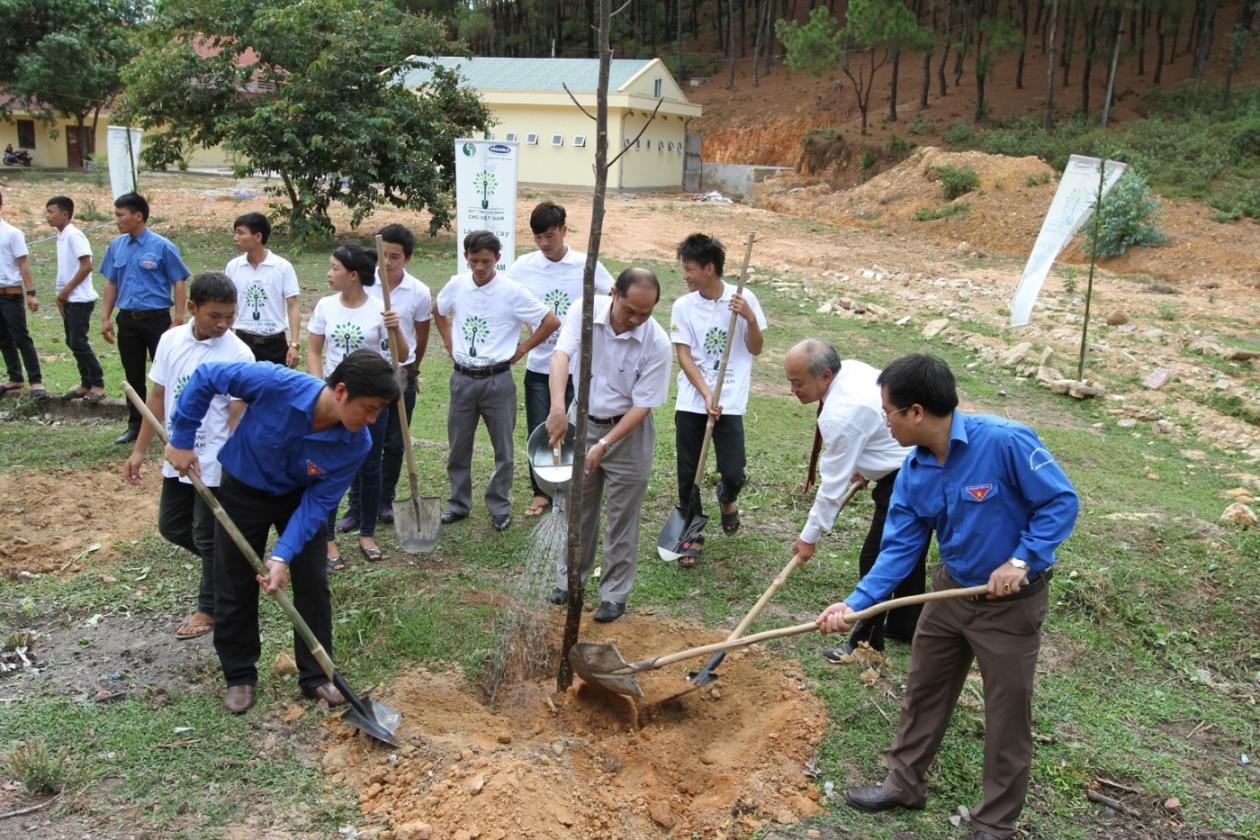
{"points": [[364, 714], [417, 520], [602, 664], [682, 534], [706, 675]]}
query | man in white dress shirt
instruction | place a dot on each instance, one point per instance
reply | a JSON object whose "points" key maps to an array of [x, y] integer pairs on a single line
{"points": [[859, 447], [480, 315], [630, 365]]}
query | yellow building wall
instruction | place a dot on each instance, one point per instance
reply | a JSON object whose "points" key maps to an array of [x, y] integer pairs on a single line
{"points": [[50, 141], [656, 160]]}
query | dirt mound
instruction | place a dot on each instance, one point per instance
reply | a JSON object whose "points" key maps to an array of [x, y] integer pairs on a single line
{"points": [[717, 762], [55, 517]]}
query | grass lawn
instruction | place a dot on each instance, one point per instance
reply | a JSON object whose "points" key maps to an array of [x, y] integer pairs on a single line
{"points": [[1149, 674]]}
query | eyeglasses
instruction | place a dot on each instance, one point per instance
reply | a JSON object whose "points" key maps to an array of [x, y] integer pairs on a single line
{"points": [[895, 413]]}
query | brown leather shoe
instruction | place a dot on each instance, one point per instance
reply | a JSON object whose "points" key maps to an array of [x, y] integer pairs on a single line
{"points": [[871, 799], [326, 692], [239, 698]]}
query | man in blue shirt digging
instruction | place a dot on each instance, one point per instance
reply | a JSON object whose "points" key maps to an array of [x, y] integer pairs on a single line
{"points": [[1000, 506], [288, 463]]}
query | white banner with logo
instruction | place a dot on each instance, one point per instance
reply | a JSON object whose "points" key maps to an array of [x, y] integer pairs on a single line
{"points": [[485, 194], [122, 148], [1072, 206]]}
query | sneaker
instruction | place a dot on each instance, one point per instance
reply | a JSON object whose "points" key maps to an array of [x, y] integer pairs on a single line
{"points": [[386, 513], [349, 522], [836, 655]]}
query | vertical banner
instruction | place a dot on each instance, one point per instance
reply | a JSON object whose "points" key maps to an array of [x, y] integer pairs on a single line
{"points": [[1072, 206], [485, 194], [122, 147]]}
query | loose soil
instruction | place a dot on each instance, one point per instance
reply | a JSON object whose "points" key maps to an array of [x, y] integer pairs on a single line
{"points": [[729, 759]]}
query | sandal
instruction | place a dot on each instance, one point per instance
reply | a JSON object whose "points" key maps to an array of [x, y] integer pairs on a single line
{"points": [[730, 522], [336, 564], [688, 561], [39, 393], [197, 624], [372, 555], [92, 397], [5, 388], [537, 508], [74, 394]]}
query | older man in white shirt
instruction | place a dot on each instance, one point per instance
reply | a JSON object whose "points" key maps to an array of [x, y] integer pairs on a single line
{"points": [[859, 447], [630, 366]]}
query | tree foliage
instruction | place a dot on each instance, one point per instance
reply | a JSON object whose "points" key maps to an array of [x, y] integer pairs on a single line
{"points": [[63, 59], [312, 91]]}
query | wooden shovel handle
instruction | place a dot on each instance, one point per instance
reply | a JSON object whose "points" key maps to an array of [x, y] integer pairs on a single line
{"points": [[783, 632], [395, 347], [726, 355]]}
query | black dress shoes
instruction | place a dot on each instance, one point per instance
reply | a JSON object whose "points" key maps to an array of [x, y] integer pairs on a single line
{"points": [[870, 799], [239, 699], [609, 611], [558, 596], [128, 436], [984, 835], [502, 521], [450, 517]]}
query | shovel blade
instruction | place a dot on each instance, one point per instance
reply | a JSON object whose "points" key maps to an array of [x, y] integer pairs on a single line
{"points": [[417, 522], [681, 536], [368, 716], [706, 674], [595, 664]]}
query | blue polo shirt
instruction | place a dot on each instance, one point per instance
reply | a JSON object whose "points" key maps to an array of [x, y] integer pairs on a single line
{"points": [[144, 268], [1000, 494], [274, 448]]}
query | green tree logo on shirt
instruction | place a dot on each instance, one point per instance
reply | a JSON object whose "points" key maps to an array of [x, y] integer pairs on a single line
{"points": [[347, 336], [256, 299], [557, 301], [180, 382], [475, 329], [714, 344]]}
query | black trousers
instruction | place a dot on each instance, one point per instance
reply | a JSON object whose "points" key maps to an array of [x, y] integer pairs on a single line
{"points": [[136, 337], [898, 623], [275, 348], [236, 591], [15, 340], [728, 445], [77, 323], [185, 520]]}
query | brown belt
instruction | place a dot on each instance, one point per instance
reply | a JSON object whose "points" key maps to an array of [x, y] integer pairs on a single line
{"points": [[11, 290]]}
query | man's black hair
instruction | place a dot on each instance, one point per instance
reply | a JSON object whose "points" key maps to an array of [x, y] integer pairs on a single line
{"points": [[922, 379], [399, 235], [212, 286], [703, 250], [257, 223], [62, 202], [632, 277], [546, 216], [366, 374], [360, 260], [482, 240], [134, 202]]}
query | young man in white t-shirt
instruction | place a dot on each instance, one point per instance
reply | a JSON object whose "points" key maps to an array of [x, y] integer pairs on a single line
{"points": [[76, 298], [183, 516], [698, 324], [267, 294], [480, 315], [16, 286], [554, 274]]}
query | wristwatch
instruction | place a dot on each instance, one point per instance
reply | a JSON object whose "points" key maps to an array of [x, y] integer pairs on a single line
{"points": [[1019, 564], [30, 292], [295, 345], [604, 443]]}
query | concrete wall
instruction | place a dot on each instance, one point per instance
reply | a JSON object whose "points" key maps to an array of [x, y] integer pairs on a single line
{"points": [[735, 180]]}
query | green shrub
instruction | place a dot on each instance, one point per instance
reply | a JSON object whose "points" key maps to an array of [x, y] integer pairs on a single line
{"points": [[957, 181], [927, 214], [1235, 200], [921, 125], [1126, 219], [41, 770], [868, 159], [899, 147], [959, 135]]}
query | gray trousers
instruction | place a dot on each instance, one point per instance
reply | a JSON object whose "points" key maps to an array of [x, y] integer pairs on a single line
{"points": [[623, 474], [493, 399]]}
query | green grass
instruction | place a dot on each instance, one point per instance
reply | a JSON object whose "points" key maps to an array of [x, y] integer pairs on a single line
{"points": [[1151, 630]]}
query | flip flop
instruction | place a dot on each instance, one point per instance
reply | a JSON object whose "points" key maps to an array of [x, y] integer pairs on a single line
{"points": [[196, 625], [688, 561], [92, 398], [730, 522], [4, 389], [537, 509], [39, 394], [74, 394]]}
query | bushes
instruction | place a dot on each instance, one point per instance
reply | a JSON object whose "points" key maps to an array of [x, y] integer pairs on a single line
{"points": [[958, 208], [1126, 219], [956, 181]]}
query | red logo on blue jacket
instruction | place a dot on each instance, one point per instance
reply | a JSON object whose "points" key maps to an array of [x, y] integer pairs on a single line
{"points": [[313, 468], [978, 491]]}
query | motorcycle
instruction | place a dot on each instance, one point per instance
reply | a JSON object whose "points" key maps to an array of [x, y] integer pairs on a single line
{"points": [[19, 158]]}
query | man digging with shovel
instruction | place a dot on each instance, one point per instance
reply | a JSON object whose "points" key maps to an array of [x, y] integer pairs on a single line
{"points": [[288, 464], [1000, 505]]}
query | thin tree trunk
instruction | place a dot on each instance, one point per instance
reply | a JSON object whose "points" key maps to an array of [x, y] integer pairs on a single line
{"points": [[678, 59], [1023, 47], [730, 41], [940, 68], [892, 88], [1117, 36], [1048, 123], [1160, 45], [1204, 42], [927, 80]]}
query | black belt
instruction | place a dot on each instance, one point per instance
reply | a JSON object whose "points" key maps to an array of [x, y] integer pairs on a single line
{"points": [[262, 340], [144, 314], [606, 421], [483, 372], [1026, 591]]}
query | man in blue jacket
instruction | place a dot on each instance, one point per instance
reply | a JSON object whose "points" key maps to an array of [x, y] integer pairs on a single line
{"points": [[288, 464], [1000, 505]]}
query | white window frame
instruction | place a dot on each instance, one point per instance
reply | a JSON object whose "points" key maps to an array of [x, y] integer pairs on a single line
{"points": [[510, 137], [579, 141], [557, 140], [531, 139]]}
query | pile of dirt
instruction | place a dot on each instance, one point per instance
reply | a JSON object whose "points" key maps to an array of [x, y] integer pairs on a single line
{"points": [[720, 761]]}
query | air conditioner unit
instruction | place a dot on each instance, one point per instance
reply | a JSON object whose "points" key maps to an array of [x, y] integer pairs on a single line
{"points": [[511, 137], [531, 139], [579, 140], [557, 139]]}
